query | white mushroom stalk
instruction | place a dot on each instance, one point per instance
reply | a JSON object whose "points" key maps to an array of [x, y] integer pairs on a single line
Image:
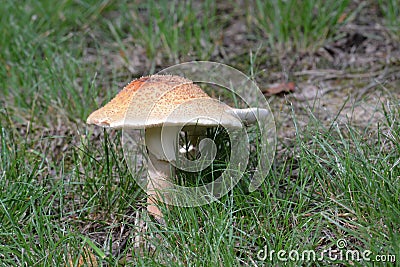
{"points": [[160, 171]]}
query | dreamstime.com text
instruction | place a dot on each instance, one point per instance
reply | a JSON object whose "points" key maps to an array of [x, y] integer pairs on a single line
{"points": [[339, 254]]}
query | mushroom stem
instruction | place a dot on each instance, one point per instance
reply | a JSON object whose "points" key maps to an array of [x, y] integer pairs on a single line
{"points": [[160, 171], [159, 180], [250, 115]]}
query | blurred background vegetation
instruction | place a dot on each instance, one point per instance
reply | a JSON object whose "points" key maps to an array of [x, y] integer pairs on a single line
{"points": [[66, 195]]}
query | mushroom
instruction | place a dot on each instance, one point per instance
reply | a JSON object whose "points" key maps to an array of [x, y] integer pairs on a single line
{"points": [[165, 105]]}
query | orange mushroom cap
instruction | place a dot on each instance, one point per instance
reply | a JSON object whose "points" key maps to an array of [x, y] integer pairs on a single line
{"points": [[157, 100]]}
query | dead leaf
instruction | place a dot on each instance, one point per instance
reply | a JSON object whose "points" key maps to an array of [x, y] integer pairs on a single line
{"points": [[280, 88], [87, 259], [342, 17]]}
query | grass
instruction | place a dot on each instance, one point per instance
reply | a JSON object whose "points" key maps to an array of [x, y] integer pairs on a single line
{"points": [[175, 29], [68, 198], [297, 25], [390, 10]]}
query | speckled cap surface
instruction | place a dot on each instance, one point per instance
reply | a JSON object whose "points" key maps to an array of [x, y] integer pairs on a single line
{"points": [[157, 100]]}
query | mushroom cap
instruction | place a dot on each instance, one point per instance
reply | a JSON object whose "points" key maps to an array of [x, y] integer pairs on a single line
{"points": [[168, 100]]}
